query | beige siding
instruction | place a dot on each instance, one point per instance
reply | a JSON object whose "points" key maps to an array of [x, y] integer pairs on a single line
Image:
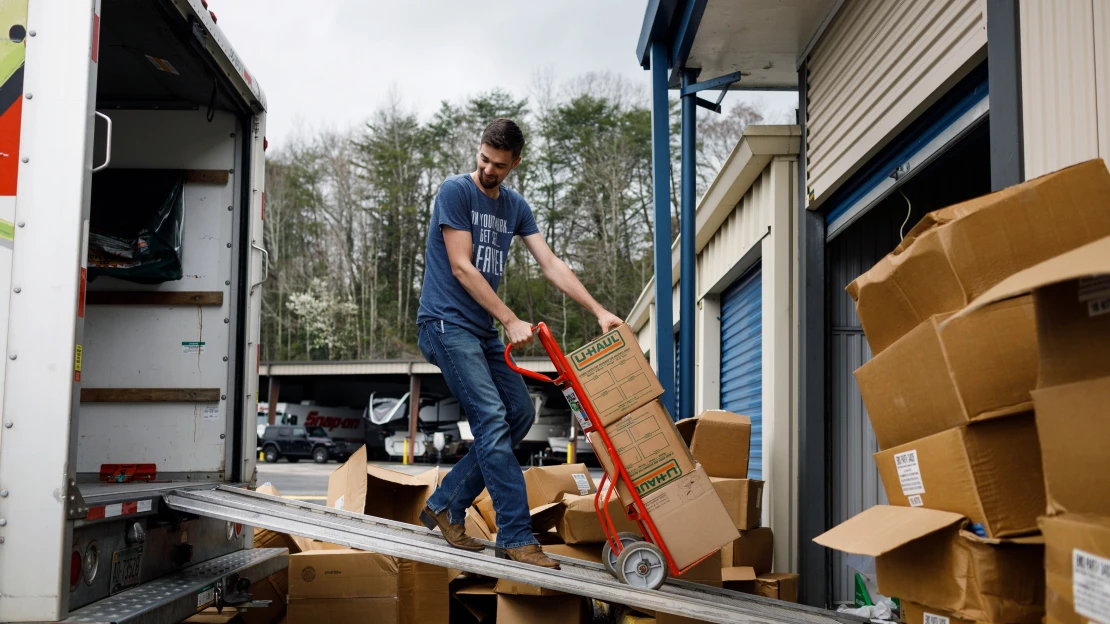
{"points": [[1065, 75], [879, 65], [742, 229]]}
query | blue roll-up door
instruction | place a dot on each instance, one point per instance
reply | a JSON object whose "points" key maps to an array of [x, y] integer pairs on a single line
{"points": [[742, 358], [677, 374]]}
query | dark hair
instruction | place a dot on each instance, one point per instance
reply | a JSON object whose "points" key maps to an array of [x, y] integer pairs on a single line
{"points": [[504, 134]]}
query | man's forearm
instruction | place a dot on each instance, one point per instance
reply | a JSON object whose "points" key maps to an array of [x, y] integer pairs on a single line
{"points": [[479, 288], [565, 280]]}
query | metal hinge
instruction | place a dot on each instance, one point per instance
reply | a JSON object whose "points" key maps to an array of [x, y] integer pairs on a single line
{"points": [[76, 508]]}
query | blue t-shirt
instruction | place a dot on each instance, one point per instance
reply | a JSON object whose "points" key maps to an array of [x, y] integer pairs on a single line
{"points": [[461, 205]]}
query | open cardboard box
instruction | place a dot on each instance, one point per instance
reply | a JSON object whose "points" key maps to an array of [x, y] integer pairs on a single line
{"points": [[956, 254], [375, 491], [926, 556], [720, 441], [581, 525]]}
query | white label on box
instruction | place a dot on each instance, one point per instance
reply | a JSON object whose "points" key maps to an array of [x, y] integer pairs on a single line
{"points": [[212, 412], [1098, 307], [932, 618], [1091, 288], [909, 473], [915, 501], [339, 503], [576, 408], [582, 482], [1091, 585]]}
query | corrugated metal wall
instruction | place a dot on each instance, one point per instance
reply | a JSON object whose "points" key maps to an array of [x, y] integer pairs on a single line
{"points": [[880, 64], [1065, 75], [742, 358], [744, 228]]}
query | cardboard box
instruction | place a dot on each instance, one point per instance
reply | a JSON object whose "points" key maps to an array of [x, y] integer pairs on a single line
{"points": [[754, 549], [988, 471], [1077, 565], [707, 572], [275, 589], [743, 498], [777, 586], [359, 487], [958, 253], [547, 484], [476, 525], [513, 588], [265, 538], [923, 556], [738, 578], [1074, 433], [720, 441], [585, 552], [977, 367], [914, 613], [541, 609], [544, 517], [212, 616], [614, 374], [1071, 294], [650, 447], [690, 502], [328, 581], [580, 524]]}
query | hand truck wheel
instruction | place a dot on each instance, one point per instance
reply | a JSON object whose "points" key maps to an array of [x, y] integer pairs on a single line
{"points": [[643, 566], [609, 558]]}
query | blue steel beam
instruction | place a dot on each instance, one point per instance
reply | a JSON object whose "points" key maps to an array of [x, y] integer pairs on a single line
{"points": [[657, 23], [687, 258], [661, 191], [683, 40]]}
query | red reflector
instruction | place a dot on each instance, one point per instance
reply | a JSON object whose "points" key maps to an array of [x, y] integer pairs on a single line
{"points": [[265, 144], [127, 473], [204, 3], [213, 14], [74, 569]]}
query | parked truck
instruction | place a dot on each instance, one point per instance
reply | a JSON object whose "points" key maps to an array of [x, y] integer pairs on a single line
{"points": [[131, 265]]}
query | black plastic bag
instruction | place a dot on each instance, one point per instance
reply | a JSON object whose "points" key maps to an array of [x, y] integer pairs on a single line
{"points": [[137, 225]]}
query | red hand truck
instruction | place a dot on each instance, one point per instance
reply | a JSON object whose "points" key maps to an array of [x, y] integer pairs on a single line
{"points": [[642, 563]]}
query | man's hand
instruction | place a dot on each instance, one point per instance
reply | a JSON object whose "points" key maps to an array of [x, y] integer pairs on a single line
{"points": [[518, 332], [608, 321]]}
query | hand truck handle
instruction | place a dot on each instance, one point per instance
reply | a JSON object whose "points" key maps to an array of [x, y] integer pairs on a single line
{"points": [[525, 371]]}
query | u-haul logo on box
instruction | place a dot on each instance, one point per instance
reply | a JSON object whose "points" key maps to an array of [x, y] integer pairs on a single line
{"points": [[595, 352], [660, 477]]}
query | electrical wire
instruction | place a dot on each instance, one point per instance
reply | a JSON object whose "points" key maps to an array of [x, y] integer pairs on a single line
{"points": [[909, 211]]}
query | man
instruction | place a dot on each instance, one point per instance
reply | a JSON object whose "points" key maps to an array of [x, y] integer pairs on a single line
{"points": [[473, 222]]}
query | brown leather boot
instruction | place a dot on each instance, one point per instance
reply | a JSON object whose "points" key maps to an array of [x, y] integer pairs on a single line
{"points": [[455, 534], [531, 554]]}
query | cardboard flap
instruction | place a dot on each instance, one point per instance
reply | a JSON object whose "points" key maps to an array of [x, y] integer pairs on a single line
{"points": [[883, 528], [741, 573], [424, 479], [686, 428], [1024, 540], [1089, 260]]}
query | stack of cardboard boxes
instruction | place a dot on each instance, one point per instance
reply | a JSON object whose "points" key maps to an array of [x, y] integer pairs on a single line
{"points": [[949, 390]]}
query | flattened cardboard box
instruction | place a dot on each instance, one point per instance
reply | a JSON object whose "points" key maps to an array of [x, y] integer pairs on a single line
{"points": [[585, 552], [930, 380], [580, 524], [614, 374], [688, 502], [743, 498], [1073, 423], [960, 252], [923, 556], [359, 487], [988, 471], [547, 484], [650, 447], [544, 517], [1077, 566], [1071, 294], [720, 441]]}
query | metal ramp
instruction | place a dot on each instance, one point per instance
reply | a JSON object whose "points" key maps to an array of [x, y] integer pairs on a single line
{"points": [[419, 544]]}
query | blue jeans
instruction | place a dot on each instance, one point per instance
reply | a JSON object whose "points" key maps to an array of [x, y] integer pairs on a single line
{"points": [[500, 412]]}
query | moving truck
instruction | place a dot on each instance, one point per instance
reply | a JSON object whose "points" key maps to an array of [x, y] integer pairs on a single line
{"points": [[131, 267]]}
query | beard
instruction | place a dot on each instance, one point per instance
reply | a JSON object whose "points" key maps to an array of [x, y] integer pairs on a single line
{"points": [[488, 183]]}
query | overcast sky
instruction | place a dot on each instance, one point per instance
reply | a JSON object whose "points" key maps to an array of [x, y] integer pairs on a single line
{"points": [[329, 63]]}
